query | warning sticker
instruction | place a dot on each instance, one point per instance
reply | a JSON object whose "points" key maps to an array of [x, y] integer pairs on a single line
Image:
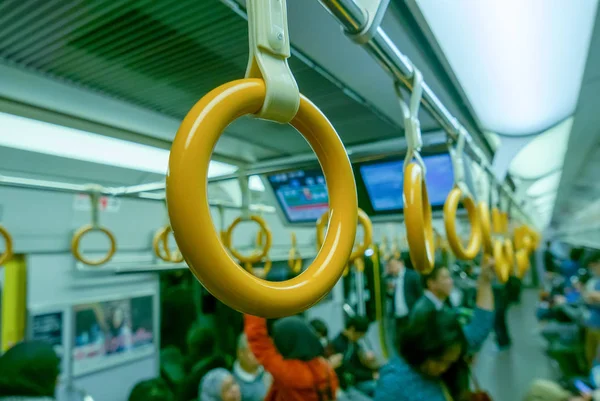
{"points": [[110, 204]]}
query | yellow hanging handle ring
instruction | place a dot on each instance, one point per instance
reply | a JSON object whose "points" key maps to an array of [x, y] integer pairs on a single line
{"points": [[523, 264], [450, 208], [361, 248], [417, 217], [94, 226], [191, 220], [497, 222], [294, 258], [75, 243], [486, 229], [160, 244], [502, 268], [265, 234], [8, 246]]}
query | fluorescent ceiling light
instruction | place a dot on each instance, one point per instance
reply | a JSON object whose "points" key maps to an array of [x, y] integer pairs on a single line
{"points": [[520, 63], [42, 137], [543, 154], [545, 185], [255, 183]]}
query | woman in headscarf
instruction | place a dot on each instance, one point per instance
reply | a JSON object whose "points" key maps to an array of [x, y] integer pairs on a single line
{"points": [[294, 359], [219, 385], [29, 372]]}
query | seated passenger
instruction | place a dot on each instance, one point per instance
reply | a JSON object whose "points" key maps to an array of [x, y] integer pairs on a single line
{"points": [[438, 287], [431, 364], [250, 375], [591, 296], [29, 372], [151, 390], [219, 385], [294, 359], [358, 365]]}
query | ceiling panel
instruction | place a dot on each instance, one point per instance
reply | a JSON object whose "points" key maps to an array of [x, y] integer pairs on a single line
{"points": [[164, 56], [579, 182]]}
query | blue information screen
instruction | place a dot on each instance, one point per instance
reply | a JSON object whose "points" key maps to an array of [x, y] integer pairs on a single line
{"points": [[384, 182], [302, 194]]}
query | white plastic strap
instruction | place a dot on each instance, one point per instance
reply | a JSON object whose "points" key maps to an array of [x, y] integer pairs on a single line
{"points": [[412, 126], [374, 10], [458, 165], [483, 185], [94, 191], [269, 51], [245, 189]]}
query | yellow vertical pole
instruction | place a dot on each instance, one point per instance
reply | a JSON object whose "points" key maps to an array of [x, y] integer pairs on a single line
{"points": [[14, 301]]}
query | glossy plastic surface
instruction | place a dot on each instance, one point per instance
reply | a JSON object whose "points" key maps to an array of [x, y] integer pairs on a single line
{"points": [[75, 243], [454, 241], [417, 217], [500, 261], [294, 258], [483, 212], [191, 218], [160, 244], [497, 224], [361, 247], [265, 237]]}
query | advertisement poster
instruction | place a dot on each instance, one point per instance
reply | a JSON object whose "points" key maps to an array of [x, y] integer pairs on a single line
{"points": [[49, 327], [112, 332]]}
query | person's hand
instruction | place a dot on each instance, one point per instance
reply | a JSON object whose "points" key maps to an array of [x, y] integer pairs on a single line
{"points": [[560, 300], [336, 360], [486, 275], [259, 272], [369, 357]]}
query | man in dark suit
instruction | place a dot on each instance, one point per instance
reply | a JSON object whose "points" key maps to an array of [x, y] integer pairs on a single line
{"points": [[438, 287], [404, 289]]}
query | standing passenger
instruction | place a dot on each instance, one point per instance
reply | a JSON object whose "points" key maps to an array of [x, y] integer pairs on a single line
{"points": [[438, 287], [405, 289], [294, 359], [249, 374], [431, 364]]}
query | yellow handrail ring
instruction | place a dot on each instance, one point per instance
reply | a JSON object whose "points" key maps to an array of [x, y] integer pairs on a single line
{"points": [[502, 265], [486, 229], [360, 248], [294, 257], [450, 207], [192, 222], [497, 224], [266, 246], [8, 246], [161, 248], [523, 262], [509, 253], [75, 243], [417, 217], [157, 243]]}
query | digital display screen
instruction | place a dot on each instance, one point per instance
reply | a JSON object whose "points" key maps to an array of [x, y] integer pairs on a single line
{"points": [[384, 182], [302, 194]]}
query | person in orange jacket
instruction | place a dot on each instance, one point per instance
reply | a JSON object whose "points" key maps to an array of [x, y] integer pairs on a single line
{"points": [[294, 358]]}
